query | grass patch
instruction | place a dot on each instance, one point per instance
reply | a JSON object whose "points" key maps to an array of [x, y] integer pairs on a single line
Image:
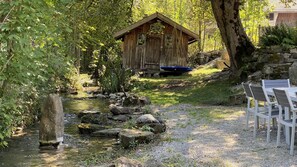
{"points": [[213, 113], [185, 89]]}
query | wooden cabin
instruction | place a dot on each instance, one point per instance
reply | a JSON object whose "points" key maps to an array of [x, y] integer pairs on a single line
{"points": [[155, 41], [282, 14]]}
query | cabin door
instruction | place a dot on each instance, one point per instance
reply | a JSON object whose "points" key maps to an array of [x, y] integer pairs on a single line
{"points": [[152, 52]]}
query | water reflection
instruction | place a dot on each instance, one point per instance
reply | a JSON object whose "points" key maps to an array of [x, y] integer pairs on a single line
{"points": [[23, 151]]}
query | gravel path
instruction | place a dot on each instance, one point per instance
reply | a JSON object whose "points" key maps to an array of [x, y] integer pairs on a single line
{"points": [[221, 142]]}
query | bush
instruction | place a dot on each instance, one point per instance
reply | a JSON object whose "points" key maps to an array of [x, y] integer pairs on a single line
{"points": [[110, 74], [279, 35]]}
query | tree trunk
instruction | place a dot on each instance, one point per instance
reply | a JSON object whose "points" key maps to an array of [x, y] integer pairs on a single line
{"points": [[238, 45]]}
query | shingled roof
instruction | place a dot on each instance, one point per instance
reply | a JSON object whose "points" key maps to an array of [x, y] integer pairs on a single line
{"points": [[192, 35]]}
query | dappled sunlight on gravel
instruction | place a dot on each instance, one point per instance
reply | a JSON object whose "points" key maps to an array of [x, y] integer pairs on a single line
{"points": [[215, 136]]}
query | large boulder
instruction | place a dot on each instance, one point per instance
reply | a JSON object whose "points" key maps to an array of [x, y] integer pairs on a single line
{"points": [[131, 100], [100, 119], [146, 118], [131, 137], [114, 132], [157, 125], [143, 100], [89, 128], [51, 129], [293, 73], [119, 110]]}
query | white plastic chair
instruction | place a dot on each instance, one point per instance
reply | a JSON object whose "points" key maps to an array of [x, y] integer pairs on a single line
{"points": [[249, 96], [284, 101], [278, 83], [266, 112]]}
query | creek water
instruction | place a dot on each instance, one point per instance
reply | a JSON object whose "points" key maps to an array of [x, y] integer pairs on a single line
{"points": [[76, 150]]}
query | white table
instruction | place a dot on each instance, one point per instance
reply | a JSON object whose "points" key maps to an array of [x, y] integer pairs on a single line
{"points": [[292, 93], [291, 90]]}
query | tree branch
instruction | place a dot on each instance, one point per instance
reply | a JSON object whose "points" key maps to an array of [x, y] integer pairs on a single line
{"points": [[6, 17], [5, 65]]}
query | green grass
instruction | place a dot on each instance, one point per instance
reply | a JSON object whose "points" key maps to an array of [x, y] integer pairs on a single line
{"points": [[185, 89]]}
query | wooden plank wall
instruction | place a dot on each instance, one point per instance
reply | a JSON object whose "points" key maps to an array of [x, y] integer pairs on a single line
{"points": [[136, 57], [289, 19]]}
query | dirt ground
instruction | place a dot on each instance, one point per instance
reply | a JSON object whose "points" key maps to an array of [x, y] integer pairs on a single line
{"points": [[220, 142]]}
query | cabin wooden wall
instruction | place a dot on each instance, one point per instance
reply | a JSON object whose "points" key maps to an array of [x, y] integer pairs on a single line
{"points": [[289, 19], [155, 52]]}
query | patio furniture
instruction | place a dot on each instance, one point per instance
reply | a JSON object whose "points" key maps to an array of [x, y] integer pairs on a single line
{"points": [[284, 100], [267, 111], [249, 96]]}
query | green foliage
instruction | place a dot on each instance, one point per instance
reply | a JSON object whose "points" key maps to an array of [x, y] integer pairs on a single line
{"points": [[130, 124], [253, 14], [111, 76], [147, 128], [279, 35], [32, 59]]}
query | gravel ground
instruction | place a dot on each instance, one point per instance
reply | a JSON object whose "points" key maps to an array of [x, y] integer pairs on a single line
{"points": [[222, 142]]}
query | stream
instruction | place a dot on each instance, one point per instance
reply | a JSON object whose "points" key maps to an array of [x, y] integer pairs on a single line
{"points": [[23, 150]]}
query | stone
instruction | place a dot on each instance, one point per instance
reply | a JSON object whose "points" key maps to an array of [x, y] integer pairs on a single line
{"points": [[121, 94], [101, 119], [293, 73], [150, 121], [294, 55], [87, 112], [119, 110], [100, 96], [131, 100], [112, 96], [85, 128], [237, 99], [125, 162], [146, 118], [114, 133], [144, 101], [294, 50], [131, 138], [156, 128], [255, 76], [51, 128]]}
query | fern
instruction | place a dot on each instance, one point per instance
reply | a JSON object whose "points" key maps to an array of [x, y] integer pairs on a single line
{"points": [[279, 35]]}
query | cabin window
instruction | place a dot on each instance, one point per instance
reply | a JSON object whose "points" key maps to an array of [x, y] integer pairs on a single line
{"points": [[168, 41], [141, 39], [271, 16], [156, 28]]}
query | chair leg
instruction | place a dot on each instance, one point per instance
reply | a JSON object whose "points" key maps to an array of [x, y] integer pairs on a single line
{"points": [[293, 134], [247, 113], [268, 130], [268, 126], [292, 140], [279, 126], [255, 119], [287, 129]]}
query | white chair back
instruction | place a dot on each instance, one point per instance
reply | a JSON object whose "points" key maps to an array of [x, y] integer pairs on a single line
{"points": [[259, 94], [283, 98], [247, 90], [278, 83]]}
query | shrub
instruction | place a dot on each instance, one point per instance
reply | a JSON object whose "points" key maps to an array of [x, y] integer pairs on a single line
{"points": [[110, 74], [279, 35]]}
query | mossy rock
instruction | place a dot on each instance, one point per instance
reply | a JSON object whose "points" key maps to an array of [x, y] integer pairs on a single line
{"points": [[89, 128]]}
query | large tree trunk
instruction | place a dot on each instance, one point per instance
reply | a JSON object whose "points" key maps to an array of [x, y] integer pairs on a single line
{"points": [[238, 45]]}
